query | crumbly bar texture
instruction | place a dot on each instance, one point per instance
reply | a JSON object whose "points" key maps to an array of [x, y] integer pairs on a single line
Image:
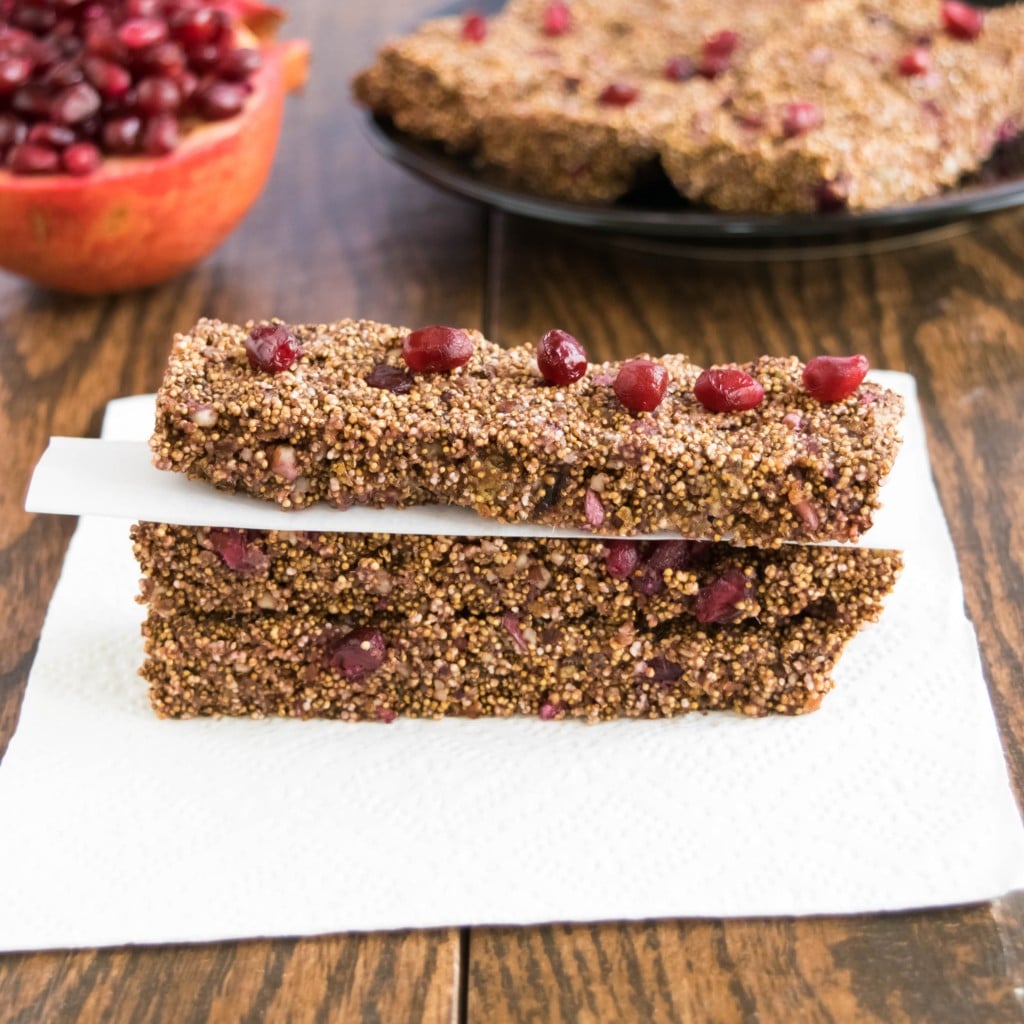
{"points": [[494, 437], [531, 104], [634, 647]]}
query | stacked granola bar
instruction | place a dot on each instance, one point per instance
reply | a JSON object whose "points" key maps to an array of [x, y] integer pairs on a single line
{"points": [[359, 626], [793, 105]]}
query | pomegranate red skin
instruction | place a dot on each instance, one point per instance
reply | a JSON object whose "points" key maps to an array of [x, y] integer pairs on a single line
{"points": [[137, 221]]}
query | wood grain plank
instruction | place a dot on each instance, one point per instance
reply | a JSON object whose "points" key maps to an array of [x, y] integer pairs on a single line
{"points": [[337, 233], [952, 313]]}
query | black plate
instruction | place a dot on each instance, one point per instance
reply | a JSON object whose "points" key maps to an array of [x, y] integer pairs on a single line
{"points": [[655, 210]]}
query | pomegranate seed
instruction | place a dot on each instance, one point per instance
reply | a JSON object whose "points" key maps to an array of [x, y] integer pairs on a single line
{"points": [[110, 79], [236, 551], [241, 64], [659, 557], [474, 28], [157, 96], [220, 100], [34, 19], [717, 602], [197, 27], [831, 196], [80, 159], [833, 378], [272, 348], [962, 21], [12, 131], [798, 118], [75, 104], [548, 711], [618, 94], [436, 349], [728, 390], [55, 136], [29, 159], [640, 385], [357, 654], [915, 62], [561, 358], [166, 59], [679, 69], [621, 558], [33, 101], [160, 135], [721, 44], [390, 378], [62, 75], [557, 19], [122, 135], [143, 8], [138, 33], [14, 72]]}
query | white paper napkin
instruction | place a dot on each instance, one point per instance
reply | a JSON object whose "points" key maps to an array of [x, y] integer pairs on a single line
{"points": [[121, 828]]}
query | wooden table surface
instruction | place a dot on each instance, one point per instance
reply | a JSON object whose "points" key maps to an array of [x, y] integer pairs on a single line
{"points": [[340, 233]]}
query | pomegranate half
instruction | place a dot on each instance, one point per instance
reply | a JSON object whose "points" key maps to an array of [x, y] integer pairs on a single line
{"points": [[138, 220]]}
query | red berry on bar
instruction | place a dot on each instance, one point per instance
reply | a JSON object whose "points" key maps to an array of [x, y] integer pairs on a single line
{"points": [[799, 118], [561, 358], [557, 19], [474, 28], [618, 94], [832, 378], [917, 61], [436, 349], [728, 390], [962, 21], [641, 385], [272, 348]]}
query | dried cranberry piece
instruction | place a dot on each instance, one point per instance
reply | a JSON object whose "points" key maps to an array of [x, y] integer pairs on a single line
{"points": [[357, 654], [679, 69], [917, 61], [664, 671], [716, 53], [618, 94], [548, 711], [237, 552], [621, 558], [474, 28], [717, 602], [640, 385], [833, 378], [799, 118], [561, 358], [962, 21], [390, 378], [728, 390], [436, 349], [660, 556], [272, 348], [593, 509], [515, 630], [832, 196], [557, 19]]}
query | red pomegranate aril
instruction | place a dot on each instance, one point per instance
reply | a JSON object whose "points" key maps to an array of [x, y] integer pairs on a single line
{"points": [[206, 57], [34, 19], [62, 74], [915, 62], [557, 19], [640, 385], [26, 158], [138, 33], [12, 131], [157, 96], [33, 101], [436, 349], [717, 602], [76, 103], [621, 559], [561, 358], [832, 378], [143, 8], [962, 21], [80, 159], [55, 136], [618, 94], [272, 348], [799, 118], [390, 378], [474, 28], [679, 69], [122, 135], [220, 100], [160, 135], [166, 59], [712, 65], [112, 80], [358, 653], [722, 43], [196, 27], [14, 72], [728, 390], [241, 64]]}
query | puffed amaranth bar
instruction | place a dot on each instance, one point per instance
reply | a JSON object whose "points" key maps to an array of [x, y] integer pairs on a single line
{"points": [[493, 436]]}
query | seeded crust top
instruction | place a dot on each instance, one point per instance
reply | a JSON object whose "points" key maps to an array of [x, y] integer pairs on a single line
{"points": [[529, 103], [493, 436]]}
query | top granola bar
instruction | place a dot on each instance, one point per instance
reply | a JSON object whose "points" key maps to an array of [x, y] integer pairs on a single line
{"points": [[341, 419], [793, 105]]}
